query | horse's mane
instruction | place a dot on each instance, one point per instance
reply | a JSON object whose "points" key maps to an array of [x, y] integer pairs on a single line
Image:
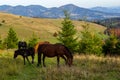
{"points": [[66, 49]]}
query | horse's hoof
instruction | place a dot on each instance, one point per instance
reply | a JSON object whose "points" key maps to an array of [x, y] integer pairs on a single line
{"points": [[37, 65]]}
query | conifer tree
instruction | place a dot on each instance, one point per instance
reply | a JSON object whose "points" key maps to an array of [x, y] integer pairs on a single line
{"points": [[67, 33], [91, 42], [11, 40]]}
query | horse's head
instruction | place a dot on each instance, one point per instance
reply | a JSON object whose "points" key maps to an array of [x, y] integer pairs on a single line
{"points": [[15, 54], [70, 61]]}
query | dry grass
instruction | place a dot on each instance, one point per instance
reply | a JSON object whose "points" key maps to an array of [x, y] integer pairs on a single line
{"points": [[86, 67], [43, 28]]}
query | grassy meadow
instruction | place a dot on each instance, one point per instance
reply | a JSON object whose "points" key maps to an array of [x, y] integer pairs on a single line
{"points": [[85, 67]]}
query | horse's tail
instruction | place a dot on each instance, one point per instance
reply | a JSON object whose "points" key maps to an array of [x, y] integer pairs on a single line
{"points": [[36, 48]]}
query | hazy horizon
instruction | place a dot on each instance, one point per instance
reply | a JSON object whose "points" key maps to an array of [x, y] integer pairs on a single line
{"points": [[58, 3]]}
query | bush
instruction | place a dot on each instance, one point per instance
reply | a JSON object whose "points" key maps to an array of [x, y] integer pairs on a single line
{"points": [[112, 46], [33, 40]]}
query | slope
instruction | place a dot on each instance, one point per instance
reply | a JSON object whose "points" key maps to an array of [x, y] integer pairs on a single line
{"points": [[44, 28]]}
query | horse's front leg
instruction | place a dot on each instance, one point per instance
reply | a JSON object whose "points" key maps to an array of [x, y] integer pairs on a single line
{"points": [[27, 59], [32, 58], [44, 61], [58, 60], [64, 59]]}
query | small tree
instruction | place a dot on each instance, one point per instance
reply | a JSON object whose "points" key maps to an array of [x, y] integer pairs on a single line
{"points": [[33, 40], [67, 33], [90, 42], [112, 45], [0, 43], [11, 40]]}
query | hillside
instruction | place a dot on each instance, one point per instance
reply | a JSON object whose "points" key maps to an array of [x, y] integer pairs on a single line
{"points": [[43, 28]]}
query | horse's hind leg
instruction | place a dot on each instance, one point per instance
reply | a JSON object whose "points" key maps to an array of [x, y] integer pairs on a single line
{"points": [[24, 60], [64, 59], [39, 59], [58, 60], [44, 61]]}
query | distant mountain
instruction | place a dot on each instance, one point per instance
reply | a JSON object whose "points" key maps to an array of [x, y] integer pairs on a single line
{"points": [[57, 12], [107, 9], [111, 22]]}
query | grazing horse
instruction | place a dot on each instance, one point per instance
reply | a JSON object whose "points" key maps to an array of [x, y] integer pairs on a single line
{"points": [[25, 53], [22, 45], [40, 43], [52, 50]]}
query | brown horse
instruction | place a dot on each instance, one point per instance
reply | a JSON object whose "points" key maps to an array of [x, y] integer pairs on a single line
{"points": [[40, 43], [52, 50]]}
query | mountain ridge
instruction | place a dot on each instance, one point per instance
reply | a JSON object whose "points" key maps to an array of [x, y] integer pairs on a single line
{"points": [[107, 9], [76, 12]]}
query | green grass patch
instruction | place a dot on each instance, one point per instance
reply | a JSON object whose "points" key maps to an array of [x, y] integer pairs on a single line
{"points": [[85, 67]]}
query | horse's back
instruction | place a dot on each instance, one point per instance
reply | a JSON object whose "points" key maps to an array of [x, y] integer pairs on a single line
{"points": [[39, 44], [47, 49]]}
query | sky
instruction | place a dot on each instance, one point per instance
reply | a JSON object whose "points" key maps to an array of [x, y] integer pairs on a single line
{"points": [[57, 3]]}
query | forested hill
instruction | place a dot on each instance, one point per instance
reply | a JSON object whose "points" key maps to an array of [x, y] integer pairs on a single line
{"points": [[111, 22]]}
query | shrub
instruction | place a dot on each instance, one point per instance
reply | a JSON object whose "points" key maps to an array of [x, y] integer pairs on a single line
{"points": [[111, 46], [33, 40]]}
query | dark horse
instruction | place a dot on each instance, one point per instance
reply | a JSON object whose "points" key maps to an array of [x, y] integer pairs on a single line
{"points": [[22, 45], [25, 53], [52, 50]]}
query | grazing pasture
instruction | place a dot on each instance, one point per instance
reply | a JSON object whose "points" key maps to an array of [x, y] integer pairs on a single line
{"points": [[85, 67]]}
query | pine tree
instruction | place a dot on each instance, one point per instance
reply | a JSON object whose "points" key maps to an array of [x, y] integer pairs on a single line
{"points": [[91, 42], [67, 33], [11, 40]]}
